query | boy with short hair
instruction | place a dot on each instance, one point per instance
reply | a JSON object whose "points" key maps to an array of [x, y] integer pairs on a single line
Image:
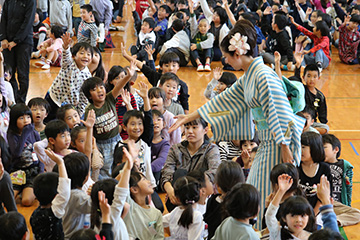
{"points": [[341, 170], [169, 82], [73, 72], [349, 40], [87, 31], [311, 126], [106, 127], [161, 22], [13, 226], [52, 190], [39, 108]]}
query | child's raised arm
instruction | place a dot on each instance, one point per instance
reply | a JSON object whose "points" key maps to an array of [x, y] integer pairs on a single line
{"points": [[89, 124], [139, 64], [104, 207], [143, 93], [284, 183], [129, 162], [121, 83], [229, 12]]}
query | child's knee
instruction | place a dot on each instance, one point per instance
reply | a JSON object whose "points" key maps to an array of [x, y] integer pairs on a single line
{"points": [[27, 201]]}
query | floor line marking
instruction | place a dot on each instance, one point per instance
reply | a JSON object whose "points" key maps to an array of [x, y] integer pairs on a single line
{"points": [[354, 148]]}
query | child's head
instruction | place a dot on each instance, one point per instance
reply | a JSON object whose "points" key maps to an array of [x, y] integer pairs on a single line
{"points": [[325, 234], [108, 187], [312, 149], [227, 175], [226, 80], [148, 25], [7, 72], [354, 22], [169, 82], [86, 12], [219, 16], [78, 138], [68, 114], [133, 122], [243, 201], [94, 90], [204, 26], [296, 215], [177, 25], [182, 4], [187, 190], [38, 16], [279, 22], [157, 97], [163, 12], [139, 185], [77, 167], [20, 116], [82, 53], [13, 226], [311, 75], [196, 131], [158, 120], [56, 31], [310, 115], [316, 16], [332, 147], [39, 108], [169, 62], [98, 62], [58, 134], [248, 145], [45, 187], [321, 29], [206, 188], [284, 168], [115, 74]]}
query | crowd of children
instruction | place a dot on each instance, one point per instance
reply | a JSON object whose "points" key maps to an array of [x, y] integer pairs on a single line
{"points": [[96, 151]]}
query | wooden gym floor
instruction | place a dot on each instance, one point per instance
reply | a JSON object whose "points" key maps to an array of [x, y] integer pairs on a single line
{"points": [[340, 83]]}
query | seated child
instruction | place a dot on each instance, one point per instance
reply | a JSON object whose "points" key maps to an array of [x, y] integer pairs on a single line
{"points": [[202, 41], [39, 108], [246, 149], [309, 114], [349, 40], [228, 174], [39, 33], [87, 31], [320, 53], [159, 146], [161, 22], [221, 81], [24, 165], [341, 170], [73, 72], [157, 99], [13, 226], [69, 115], [179, 43], [4, 106], [52, 190], [8, 86], [169, 82], [184, 221], [51, 49], [242, 205], [146, 37]]}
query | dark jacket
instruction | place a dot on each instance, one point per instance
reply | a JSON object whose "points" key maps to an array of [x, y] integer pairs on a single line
{"points": [[16, 21]]}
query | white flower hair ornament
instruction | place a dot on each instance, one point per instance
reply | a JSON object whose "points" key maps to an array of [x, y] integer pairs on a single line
{"points": [[239, 43]]}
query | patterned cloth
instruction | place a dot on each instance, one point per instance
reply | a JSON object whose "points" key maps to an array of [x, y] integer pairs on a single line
{"points": [[87, 32], [348, 44]]}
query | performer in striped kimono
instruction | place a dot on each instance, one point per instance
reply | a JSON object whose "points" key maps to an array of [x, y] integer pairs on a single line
{"points": [[257, 98]]}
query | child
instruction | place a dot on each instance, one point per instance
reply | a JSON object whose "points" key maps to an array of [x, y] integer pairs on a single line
{"points": [[13, 226], [25, 165], [201, 42], [280, 41], [321, 48], [159, 146], [169, 82], [79, 205], [52, 190], [184, 221], [60, 14], [169, 62], [242, 204], [228, 174], [206, 189], [312, 166], [4, 110], [349, 40], [297, 217], [9, 89], [97, 67], [51, 49], [39, 33], [161, 22], [146, 37], [39, 108], [179, 43], [195, 152], [221, 81], [57, 139], [73, 72], [341, 170], [87, 31], [68, 114], [157, 99], [246, 149], [310, 114]]}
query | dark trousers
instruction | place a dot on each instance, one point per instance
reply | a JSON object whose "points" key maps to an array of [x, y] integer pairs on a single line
{"points": [[53, 109], [19, 60], [217, 54], [201, 55], [183, 61], [7, 194]]}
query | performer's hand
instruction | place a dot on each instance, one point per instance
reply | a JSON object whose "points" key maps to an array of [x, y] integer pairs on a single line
{"points": [[286, 154]]}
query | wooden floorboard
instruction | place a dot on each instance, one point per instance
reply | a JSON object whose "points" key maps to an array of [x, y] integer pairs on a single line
{"points": [[340, 83]]}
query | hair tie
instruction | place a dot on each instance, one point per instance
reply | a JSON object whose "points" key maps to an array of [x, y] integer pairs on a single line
{"points": [[239, 42], [189, 202]]}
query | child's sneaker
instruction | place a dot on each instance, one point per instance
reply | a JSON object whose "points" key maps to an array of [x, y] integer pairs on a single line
{"points": [[40, 63], [319, 65], [45, 66], [200, 68], [207, 68]]}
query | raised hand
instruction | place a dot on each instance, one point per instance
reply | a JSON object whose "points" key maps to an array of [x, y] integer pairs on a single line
{"points": [[57, 159], [323, 190], [131, 70], [267, 10], [217, 73], [125, 96], [284, 182], [308, 11], [90, 120], [123, 50], [66, 40], [149, 50], [277, 57], [298, 58], [104, 207], [143, 90], [292, 20]]}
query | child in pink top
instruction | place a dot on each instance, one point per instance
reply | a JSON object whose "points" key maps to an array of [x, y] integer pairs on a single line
{"points": [[51, 49]]}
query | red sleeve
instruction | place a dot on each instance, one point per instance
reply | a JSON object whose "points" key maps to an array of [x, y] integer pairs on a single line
{"points": [[133, 102], [306, 32], [323, 44]]}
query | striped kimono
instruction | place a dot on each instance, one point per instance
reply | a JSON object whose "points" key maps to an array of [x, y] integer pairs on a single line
{"points": [[230, 115]]}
